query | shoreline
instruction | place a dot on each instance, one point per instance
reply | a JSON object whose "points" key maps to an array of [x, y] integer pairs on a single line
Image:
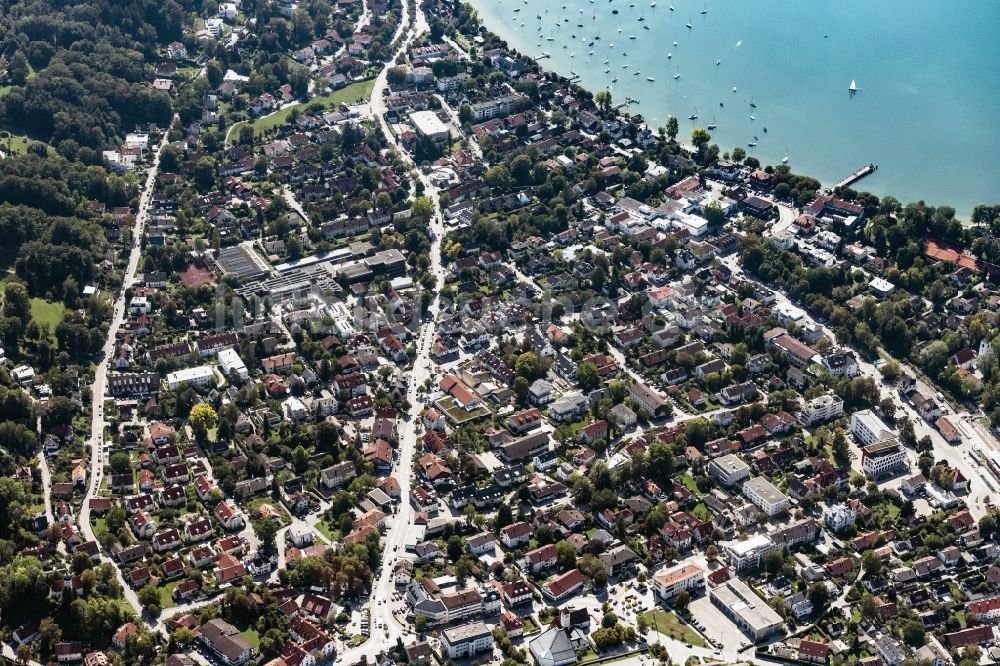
{"points": [[882, 183]]}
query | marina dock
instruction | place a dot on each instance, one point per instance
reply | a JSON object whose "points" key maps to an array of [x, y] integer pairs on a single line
{"points": [[866, 170], [628, 100]]}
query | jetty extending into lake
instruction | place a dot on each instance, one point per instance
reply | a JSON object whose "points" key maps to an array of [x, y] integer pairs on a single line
{"points": [[866, 170]]}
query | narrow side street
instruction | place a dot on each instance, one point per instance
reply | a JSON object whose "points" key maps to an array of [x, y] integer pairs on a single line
{"points": [[98, 453]]}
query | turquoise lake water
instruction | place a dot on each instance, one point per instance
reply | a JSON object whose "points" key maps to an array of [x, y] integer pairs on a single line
{"points": [[928, 73]]}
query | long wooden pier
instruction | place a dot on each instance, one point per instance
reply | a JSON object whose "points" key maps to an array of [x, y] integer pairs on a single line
{"points": [[866, 170]]}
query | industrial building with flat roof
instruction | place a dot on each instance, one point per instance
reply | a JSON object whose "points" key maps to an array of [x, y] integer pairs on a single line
{"points": [[239, 262], [427, 124], [748, 611]]}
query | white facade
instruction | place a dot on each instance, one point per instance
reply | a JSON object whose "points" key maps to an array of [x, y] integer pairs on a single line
{"points": [[231, 362], [427, 124], [869, 429], [821, 409], [728, 470], [295, 410], [140, 305], [466, 640], [681, 577], [214, 27], [748, 552], [883, 458], [197, 376], [838, 517], [23, 374], [765, 495]]}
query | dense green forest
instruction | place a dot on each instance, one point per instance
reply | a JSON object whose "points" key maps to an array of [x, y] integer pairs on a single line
{"points": [[78, 73], [48, 224]]}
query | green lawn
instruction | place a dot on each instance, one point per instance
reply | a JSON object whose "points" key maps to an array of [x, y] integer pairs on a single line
{"points": [[15, 144], [667, 624], [701, 511], [166, 590], [45, 313], [688, 482], [346, 95], [250, 633], [125, 606], [324, 528]]}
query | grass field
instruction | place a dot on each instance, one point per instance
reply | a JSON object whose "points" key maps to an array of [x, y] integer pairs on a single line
{"points": [[166, 590], [252, 636], [42, 312], [328, 531], [346, 95], [701, 511], [688, 482], [45, 313], [667, 624], [16, 144]]}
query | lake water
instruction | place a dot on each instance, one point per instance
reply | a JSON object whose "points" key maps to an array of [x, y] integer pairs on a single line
{"points": [[928, 76]]}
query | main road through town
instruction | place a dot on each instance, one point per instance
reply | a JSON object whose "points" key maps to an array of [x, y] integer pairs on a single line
{"points": [[385, 627]]}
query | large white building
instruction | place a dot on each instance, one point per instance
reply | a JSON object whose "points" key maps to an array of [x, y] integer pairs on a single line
{"points": [[728, 469], [427, 124], [884, 458], [821, 409], [198, 376], [765, 495], [750, 612], [231, 363], [696, 225], [747, 553], [466, 640], [498, 106], [213, 27], [869, 429], [681, 577]]}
